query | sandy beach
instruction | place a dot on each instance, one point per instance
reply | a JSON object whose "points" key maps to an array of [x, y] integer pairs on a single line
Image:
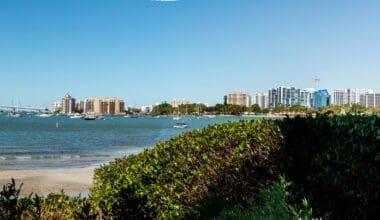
{"points": [[45, 181]]}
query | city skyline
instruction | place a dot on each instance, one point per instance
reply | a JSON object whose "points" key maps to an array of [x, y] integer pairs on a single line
{"points": [[151, 51]]}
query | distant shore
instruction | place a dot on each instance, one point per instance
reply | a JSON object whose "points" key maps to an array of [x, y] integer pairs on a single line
{"points": [[44, 181]]}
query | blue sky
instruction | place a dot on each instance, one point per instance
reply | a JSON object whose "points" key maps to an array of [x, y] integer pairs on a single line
{"points": [[148, 51]]}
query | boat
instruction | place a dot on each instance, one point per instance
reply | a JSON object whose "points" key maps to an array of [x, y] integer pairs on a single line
{"points": [[180, 125], [76, 116], [90, 116], [44, 115], [14, 114], [209, 116], [176, 118]]}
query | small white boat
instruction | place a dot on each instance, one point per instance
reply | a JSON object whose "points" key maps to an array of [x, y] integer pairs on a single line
{"points": [[209, 116], [44, 115], [90, 116], [180, 125], [76, 116], [176, 118]]}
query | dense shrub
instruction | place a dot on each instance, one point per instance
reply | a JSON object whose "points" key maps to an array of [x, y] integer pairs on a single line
{"points": [[335, 162], [272, 204], [53, 206], [225, 162]]}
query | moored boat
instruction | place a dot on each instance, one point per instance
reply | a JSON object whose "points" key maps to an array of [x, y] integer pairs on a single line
{"points": [[180, 125], [90, 116], [76, 116]]}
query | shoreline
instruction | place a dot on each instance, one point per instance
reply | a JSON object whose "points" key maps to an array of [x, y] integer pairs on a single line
{"points": [[73, 181]]}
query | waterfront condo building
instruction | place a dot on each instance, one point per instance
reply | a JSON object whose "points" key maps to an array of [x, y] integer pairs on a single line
{"points": [[370, 100], [286, 96], [307, 97], [67, 104], [261, 99], [104, 106], [239, 98], [322, 98], [349, 96]]}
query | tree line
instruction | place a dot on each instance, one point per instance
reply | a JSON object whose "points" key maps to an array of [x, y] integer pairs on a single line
{"points": [[229, 109]]}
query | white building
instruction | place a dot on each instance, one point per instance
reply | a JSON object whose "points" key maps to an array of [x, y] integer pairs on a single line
{"points": [[262, 99], [307, 97], [370, 100], [349, 96], [146, 109], [56, 107]]}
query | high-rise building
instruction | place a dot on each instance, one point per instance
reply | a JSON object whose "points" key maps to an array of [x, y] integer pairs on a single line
{"points": [[321, 98], [370, 100], [287, 96], [239, 98], [79, 106], [349, 96], [104, 106], [68, 104], [307, 97], [174, 104], [339, 96], [262, 99]]}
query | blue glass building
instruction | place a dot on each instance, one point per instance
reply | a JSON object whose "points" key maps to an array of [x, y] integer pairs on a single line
{"points": [[321, 98]]}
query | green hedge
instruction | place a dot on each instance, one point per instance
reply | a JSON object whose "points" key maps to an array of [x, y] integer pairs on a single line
{"points": [[334, 161], [224, 162]]}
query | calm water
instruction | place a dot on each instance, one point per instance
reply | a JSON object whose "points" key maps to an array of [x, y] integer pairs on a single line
{"points": [[31, 142]]}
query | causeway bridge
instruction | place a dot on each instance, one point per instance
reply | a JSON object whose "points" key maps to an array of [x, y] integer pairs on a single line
{"points": [[19, 108]]}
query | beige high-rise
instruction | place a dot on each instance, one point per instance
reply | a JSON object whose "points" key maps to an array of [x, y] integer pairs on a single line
{"points": [[105, 106], [239, 98]]}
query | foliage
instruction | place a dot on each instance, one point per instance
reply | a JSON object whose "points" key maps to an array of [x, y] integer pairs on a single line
{"points": [[54, 206], [192, 108], [272, 204], [10, 204], [178, 177], [236, 109], [280, 108], [255, 108], [162, 109], [298, 108], [335, 162]]}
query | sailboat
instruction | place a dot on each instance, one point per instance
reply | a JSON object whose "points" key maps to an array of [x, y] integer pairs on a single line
{"points": [[177, 117], [14, 113]]}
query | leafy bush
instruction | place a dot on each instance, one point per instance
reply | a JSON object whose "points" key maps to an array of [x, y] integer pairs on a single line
{"points": [[273, 205], [54, 206], [335, 162], [175, 179], [10, 204]]}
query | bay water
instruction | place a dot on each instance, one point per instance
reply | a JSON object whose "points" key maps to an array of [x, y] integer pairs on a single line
{"points": [[32, 142]]}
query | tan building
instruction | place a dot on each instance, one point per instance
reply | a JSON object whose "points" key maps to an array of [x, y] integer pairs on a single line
{"points": [[105, 106], [239, 98], [176, 103], [67, 104]]}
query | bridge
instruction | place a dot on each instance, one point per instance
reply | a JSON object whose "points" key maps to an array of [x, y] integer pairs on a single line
{"points": [[18, 108]]}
